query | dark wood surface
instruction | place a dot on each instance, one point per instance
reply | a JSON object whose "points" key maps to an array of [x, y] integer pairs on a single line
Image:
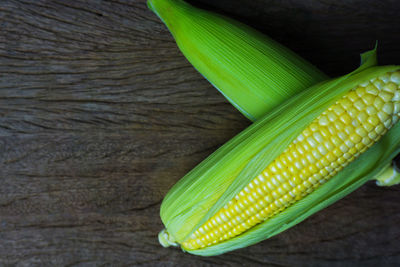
{"points": [[100, 115]]}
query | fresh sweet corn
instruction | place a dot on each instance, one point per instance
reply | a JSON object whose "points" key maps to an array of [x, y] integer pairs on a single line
{"points": [[251, 70], [333, 140], [307, 153]]}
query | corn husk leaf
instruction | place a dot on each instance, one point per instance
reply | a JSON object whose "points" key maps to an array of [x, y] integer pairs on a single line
{"points": [[209, 186], [251, 70]]}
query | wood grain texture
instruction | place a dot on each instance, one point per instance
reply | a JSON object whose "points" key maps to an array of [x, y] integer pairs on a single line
{"points": [[100, 115]]}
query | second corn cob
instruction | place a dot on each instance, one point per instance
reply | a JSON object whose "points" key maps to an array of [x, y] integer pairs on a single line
{"points": [[251, 70]]}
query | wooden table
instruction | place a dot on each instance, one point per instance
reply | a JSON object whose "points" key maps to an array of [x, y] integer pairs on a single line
{"points": [[100, 114]]}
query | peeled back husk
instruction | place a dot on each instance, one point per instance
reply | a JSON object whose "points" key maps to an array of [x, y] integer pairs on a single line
{"points": [[215, 181]]}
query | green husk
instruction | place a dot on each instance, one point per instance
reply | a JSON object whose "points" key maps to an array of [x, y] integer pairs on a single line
{"points": [[251, 70], [388, 176], [209, 186]]}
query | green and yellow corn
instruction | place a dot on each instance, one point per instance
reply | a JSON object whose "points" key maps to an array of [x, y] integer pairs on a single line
{"points": [[307, 153], [251, 70], [333, 140]]}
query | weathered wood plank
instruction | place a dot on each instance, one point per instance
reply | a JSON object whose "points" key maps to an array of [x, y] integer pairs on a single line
{"points": [[100, 115]]}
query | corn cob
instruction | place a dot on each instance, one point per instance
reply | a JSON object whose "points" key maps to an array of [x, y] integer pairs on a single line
{"points": [[333, 140], [261, 73], [309, 152], [252, 71], [276, 73]]}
